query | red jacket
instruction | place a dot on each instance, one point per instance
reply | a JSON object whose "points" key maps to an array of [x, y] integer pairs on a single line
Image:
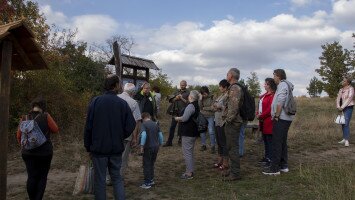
{"points": [[265, 116]]}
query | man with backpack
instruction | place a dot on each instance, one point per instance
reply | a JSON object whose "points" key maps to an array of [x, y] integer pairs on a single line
{"points": [[232, 122], [283, 110]]}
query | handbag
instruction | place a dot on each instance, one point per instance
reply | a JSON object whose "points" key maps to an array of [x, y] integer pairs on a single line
{"points": [[340, 119], [84, 183]]}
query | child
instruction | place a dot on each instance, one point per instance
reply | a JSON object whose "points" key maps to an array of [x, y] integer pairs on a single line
{"points": [[151, 139]]}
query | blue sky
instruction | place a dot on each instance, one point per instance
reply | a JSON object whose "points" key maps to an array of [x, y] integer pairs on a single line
{"points": [[198, 40]]}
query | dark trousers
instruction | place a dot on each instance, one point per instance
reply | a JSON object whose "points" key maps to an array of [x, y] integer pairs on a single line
{"points": [[267, 138], [221, 141], [279, 144], [149, 158], [37, 170], [172, 131], [232, 132]]}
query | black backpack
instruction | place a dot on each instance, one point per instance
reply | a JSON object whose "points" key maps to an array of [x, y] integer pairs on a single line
{"points": [[247, 110], [202, 123]]}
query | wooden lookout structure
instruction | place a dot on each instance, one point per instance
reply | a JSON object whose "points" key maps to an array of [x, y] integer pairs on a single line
{"points": [[131, 69], [18, 51]]}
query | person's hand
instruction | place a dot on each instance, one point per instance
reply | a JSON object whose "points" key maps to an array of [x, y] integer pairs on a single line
{"points": [[340, 109], [177, 119], [142, 150]]}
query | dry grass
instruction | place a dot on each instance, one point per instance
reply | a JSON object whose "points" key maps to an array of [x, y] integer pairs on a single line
{"points": [[320, 168]]}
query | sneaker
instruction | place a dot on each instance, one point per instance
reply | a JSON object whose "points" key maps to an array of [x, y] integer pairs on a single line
{"points": [[271, 172], [285, 170], [187, 177], [145, 186], [346, 143], [203, 148], [152, 183], [342, 141], [213, 150]]}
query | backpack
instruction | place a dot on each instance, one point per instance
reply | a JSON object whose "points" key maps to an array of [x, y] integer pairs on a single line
{"points": [[247, 110], [202, 123], [31, 134], [290, 105]]}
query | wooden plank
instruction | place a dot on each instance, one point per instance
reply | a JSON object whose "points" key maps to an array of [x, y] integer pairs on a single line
{"points": [[118, 62], [21, 52], [4, 112], [147, 74]]}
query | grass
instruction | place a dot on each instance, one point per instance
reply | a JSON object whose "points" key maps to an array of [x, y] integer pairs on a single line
{"points": [[319, 167]]}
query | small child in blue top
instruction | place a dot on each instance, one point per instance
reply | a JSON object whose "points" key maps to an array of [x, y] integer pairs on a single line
{"points": [[151, 139]]}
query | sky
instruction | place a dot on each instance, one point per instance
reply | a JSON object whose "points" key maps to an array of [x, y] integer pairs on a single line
{"points": [[199, 40]]}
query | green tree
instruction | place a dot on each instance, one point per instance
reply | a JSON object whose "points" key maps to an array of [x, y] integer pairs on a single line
{"points": [[335, 63], [162, 81], [253, 85], [315, 87]]}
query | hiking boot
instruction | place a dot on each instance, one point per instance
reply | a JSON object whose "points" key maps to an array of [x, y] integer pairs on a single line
{"points": [[203, 148], [213, 150], [268, 171], [231, 177], [346, 143], [342, 141], [187, 177]]}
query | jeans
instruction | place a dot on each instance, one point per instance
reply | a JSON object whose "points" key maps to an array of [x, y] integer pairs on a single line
{"points": [[113, 163], [348, 111], [172, 131], [210, 131], [221, 142], [279, 144], [149, 158], [232, 132], [268, 145], [187, 145], [241, 139], [37, 171]]}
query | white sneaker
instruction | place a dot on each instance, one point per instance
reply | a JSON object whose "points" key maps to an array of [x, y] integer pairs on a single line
{"points": [[342, 142], [284, 170], [346, 143]]}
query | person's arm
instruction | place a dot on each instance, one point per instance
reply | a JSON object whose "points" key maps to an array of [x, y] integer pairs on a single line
{"points": [[53, 127], [161, 138], [266, 111], [190, 110], [281, 99], [130, 123], [88, 126], [349, 99], [338, 99], [18, 133], [143, 138], [233, 103]]}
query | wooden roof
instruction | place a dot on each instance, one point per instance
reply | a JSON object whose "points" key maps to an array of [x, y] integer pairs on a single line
{"points": [[26, 53], [135, 62]]}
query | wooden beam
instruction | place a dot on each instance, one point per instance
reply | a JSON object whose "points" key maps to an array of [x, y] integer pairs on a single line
{"points": [[118, 62], [21, 52], [4, 112], [147, 74]]}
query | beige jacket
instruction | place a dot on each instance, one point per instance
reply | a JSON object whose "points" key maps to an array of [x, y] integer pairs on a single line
{"points": [[346, 94]]}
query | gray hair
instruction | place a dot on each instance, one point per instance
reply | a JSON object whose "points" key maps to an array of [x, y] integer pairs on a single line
{"points": [[194, 95], [235, 73], [130, 88]]}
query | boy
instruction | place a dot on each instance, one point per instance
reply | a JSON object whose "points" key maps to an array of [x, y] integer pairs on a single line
{"points": [[151, 139]]}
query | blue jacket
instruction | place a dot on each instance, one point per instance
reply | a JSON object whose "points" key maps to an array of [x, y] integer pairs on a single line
{"points": [[109, 121]]}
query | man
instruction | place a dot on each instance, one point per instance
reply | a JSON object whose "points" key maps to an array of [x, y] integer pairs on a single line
{"points": [[281, 124], [178, 101], [232, 123], [109, 121], [128, 92], [146, 101]]}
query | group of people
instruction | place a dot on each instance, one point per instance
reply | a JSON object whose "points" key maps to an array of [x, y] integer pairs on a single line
{"points": [[117, 122]]}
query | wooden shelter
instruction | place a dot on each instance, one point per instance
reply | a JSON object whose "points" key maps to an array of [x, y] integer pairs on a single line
{"points": [[18, 51], [132, 69]]}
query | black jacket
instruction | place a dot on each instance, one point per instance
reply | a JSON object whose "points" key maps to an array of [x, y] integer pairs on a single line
{"points": [[109, 121]]}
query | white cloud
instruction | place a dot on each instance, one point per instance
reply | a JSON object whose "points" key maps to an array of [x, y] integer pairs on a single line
{"points": [[344, 12], [300, 3]]}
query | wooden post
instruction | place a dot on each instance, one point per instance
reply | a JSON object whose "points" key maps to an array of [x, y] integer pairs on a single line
{"points": [[135, 77], [4, 112], [147, 75], [118, 61]]}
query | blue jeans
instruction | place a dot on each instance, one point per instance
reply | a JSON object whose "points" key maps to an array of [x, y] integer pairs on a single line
{"points": [[241, 139], [113, 163], [210, 131], [348, 111]]}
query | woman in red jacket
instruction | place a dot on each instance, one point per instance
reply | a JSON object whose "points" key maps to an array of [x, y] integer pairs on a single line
{"points": [[264, 116]]}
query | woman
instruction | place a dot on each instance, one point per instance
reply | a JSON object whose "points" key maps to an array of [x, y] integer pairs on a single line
{"points": [[38, 160], [189, 132], [207, 111], [264, 116], [218, 107], [345, 104]]}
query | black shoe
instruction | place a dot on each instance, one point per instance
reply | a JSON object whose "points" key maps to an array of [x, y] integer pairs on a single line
{"points": [[167, 145], [203, 148], [264, 161], [268, 171]]}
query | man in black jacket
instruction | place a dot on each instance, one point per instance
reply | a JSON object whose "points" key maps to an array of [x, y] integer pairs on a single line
{"points": [[109, 121]]}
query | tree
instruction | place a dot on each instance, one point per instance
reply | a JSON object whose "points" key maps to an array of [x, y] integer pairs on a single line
{"points": [[315, 87], [162, 81], [253, 85], [335, 64]]}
